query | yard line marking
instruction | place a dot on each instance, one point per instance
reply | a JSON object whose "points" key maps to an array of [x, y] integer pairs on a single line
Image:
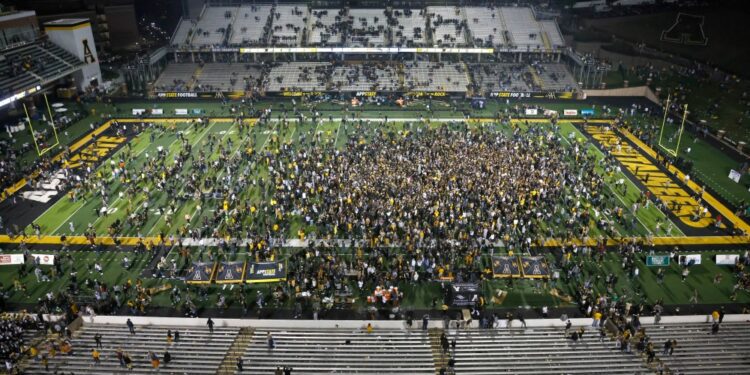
{"points": [[337, 136]]}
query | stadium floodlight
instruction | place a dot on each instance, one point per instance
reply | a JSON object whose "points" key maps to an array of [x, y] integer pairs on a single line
{"points": [[33, 133], [672, 151]]}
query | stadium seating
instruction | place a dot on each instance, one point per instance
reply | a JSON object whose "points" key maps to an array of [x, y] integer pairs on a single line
{"points": [[33, 64], [340, 351], [251, 24], [409, 28], [325, 28], [553, 32], [501, 77], [539, 351], [299, 76], [700, 352], [288, 22], [356, 76], [227, 77], [364, 77], [213, 25], [295, 25], [524, 30], [555, 77], [368, 28], [447, 26], [180, 37], [430, 76], [486, 25], [175, 77], [196, 352]]}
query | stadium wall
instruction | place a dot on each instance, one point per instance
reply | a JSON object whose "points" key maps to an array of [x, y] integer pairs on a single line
{"points": [[357, 324], [643, 91]]}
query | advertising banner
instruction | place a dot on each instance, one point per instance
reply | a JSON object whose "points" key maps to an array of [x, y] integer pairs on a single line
{"points": [[265, 272], [657, 261], [464, 294], [727, 259]]}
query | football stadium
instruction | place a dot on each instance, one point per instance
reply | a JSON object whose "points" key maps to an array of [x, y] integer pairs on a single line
{"points": [[323, 187]]}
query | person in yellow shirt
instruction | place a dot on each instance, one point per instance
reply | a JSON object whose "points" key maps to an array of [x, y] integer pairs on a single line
{"points": [[597, 318], [95, 355]]}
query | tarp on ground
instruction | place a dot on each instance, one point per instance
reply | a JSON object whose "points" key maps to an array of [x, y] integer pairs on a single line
{"points": [[230, 272], [534, 267], [200, 273], [505, 266]]}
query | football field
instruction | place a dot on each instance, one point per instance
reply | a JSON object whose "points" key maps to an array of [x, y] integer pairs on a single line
{"points": [[152, 208], [140, 206]]}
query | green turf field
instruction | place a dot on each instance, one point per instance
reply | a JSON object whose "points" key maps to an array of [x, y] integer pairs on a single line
{"points": [[223, 137], [85, 210]]}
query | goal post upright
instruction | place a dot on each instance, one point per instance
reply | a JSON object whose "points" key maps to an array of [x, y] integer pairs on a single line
{"points": [[33, 133], [682, 128], [664, 121]]}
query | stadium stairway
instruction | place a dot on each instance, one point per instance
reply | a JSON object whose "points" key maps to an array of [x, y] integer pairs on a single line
{"points": [[194, 78], [545, 40], [197, 352], [341, 351], [537, 80], [243, 339], [440, 357]]}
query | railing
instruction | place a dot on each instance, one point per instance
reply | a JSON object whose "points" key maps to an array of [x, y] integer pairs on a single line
{"points": [[174, 33]]}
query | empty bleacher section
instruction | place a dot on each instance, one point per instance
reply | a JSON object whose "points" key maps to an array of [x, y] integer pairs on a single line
{"points": [[539, 350], [298, 76], [486, 25], [175, 77], [229, 77], [447, 26], [367, 28], [182, 34], [698, 351], [251, 25], [213, 26], [365, 77], [555, 77], [430, 76], [501, 77], [325, 28], [34, 64], [408, 28], [523, 28], [196, 352], [553, 33], [340, 351], [288, 23]]}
